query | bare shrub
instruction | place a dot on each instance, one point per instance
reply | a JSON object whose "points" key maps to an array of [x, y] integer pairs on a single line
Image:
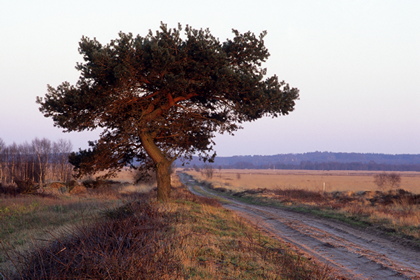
{"points": [[387, 180], [208, 171]]}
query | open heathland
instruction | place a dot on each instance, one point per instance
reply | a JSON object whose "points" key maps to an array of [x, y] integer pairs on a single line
{"points": [[313, 180], [129, 235]]}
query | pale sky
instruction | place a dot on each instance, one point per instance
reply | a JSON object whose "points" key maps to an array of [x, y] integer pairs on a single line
{"points": [[356, 63]]}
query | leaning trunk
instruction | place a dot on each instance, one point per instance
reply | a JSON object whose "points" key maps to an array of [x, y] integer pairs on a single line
{"points": [[163, 167]]}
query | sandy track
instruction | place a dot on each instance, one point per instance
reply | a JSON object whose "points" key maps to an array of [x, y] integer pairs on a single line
{"points": [[351, 253]]}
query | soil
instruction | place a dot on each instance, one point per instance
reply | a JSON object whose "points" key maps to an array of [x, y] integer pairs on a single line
{"points": [[350, 253]]}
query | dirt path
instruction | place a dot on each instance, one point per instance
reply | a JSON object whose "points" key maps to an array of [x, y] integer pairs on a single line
{"points": [[351, 253]]}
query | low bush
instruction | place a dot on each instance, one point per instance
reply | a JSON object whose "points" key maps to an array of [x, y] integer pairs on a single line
{"points": [[8, 190], [26, 186]]}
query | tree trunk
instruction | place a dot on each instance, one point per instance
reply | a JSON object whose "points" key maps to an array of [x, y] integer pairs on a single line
{"points": [[163, 179], [163, 167]]}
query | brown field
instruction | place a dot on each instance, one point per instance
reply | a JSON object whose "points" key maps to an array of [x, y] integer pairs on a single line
{"points": [[316, 180]]}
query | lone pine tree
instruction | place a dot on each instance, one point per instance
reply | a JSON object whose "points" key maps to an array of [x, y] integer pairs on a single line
{"points": [[164, 96]]}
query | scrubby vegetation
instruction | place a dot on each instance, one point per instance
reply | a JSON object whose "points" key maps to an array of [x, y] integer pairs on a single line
{"points": [[100, 236]]}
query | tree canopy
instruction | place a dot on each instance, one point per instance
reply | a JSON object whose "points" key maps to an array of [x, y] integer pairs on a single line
{"points": [[164, 96]]}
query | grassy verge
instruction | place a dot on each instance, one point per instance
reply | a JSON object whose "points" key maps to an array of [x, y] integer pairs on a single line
{"points": [[29, 221], [388, 213], [188, 238]]}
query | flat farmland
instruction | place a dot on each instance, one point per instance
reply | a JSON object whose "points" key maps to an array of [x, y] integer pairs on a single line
{"points": [[315, 180]]}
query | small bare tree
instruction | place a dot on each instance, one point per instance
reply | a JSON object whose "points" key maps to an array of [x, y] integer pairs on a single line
{"points": [[208, 171], [61, 150], [42, 149], [387, 180]]}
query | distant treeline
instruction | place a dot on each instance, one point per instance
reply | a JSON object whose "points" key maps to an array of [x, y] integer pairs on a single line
{"points": [[309, 165], [319, 161], [37, 162]]}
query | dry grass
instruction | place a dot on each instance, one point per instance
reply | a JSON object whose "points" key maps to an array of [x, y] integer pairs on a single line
{"points": [[219, 245], [131, 244], [34, 225], [28, 221], [395, 211], [243, 179], [402, 215], [188, 238]]}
